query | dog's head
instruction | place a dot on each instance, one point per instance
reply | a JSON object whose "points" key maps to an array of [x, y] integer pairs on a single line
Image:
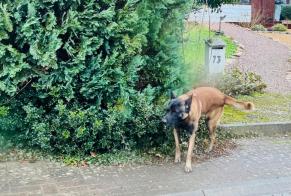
{"points": [[177, 110]]}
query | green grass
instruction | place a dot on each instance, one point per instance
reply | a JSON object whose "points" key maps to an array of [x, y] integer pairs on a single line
{"points": [[194, 50], [269, 108]]}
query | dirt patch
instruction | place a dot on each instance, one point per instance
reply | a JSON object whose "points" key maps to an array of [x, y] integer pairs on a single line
{"points": [[279, 37], [221, 149]]}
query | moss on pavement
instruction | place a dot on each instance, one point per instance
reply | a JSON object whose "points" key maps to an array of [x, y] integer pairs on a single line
{"points": [[269, 108]]}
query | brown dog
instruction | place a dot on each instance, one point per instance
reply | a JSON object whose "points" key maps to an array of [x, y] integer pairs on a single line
{"points": [[185, 111]]}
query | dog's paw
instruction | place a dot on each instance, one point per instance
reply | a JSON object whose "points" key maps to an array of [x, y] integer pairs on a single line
{"points": [[209, 150], [177, 159], [188, 168]]}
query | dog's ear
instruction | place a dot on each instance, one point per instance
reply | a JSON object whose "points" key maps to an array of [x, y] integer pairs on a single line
{"points": [[173, 96], [188, 103]]}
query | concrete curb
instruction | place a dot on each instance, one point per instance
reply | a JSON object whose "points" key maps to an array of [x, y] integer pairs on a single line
{"points": [[278, 32], [263, 129]]}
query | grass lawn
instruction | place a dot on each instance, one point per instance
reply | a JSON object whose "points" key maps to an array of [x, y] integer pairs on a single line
{"points": [[194, 49], [269, 108]]}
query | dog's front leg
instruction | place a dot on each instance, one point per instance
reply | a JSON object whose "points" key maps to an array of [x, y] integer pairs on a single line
{"points": [[177, 144], [188, 166]]}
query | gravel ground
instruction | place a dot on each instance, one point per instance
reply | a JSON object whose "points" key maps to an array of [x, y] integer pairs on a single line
{"points": [[261, 55]]}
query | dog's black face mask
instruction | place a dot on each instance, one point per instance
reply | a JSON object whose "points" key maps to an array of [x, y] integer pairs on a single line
{"points": [[177, 111]]}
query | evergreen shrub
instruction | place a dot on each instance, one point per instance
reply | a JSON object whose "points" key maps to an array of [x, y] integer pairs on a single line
{"points": [[86, 75]]}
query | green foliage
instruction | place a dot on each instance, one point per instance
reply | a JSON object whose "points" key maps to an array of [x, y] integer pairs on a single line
{"points": [[89, 75], [3, 111], [258, 27], [237, 82], [215, 3], [286, 12], [9, 124], [279, 27]]}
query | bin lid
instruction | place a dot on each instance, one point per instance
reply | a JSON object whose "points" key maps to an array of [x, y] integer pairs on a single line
{"points": [[216, 44]]}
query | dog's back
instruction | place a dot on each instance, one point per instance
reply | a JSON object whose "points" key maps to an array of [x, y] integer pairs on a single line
{"points": [[209, 97], [212, 98]]}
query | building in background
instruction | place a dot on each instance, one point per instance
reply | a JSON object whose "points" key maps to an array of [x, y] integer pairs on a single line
{"points": [[265, 12]]}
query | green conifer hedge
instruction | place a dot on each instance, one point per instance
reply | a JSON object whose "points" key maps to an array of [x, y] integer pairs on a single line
{"points": [[89, 75]]}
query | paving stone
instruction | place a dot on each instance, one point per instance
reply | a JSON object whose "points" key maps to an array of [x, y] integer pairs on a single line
{"points": [[14, 194], [73, 189], [25, 189], [49, 188], [264, 162]]}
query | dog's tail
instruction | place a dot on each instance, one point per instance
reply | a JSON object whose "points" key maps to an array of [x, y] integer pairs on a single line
{"points": [[239, 104]]}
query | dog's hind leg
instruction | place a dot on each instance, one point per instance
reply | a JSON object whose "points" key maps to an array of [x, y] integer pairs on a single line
{"points": [[214, 118], [177, 144]]}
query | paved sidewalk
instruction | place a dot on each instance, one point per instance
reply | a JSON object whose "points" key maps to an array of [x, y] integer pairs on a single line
{"points": [[263, 56], [260, 166]]}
